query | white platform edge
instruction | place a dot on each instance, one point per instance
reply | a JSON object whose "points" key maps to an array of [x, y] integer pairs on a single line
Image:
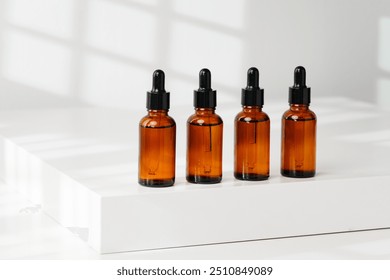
{"points": [[54, 191], [194, 217], [246, 213]]}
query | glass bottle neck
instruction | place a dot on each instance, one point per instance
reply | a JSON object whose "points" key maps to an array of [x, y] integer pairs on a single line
{"points": [[204, 111], [299, 107], [251, 109], [157, 112]]}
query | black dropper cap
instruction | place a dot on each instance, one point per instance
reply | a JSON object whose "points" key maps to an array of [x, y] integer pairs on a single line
{"points": [[158, 98], [252, 95], [205, 96], [299, 93]]}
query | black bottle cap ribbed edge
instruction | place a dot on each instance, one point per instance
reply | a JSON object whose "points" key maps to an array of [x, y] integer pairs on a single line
{"points": [[205, 96], [299, 93], [252, 95], [158, 98]]}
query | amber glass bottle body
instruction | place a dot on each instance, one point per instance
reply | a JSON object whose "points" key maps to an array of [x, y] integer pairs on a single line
{"points": [[204, 147], [298, 155], [157, 140], [252, 144]]}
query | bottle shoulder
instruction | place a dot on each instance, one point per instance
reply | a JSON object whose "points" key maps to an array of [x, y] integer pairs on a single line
{"points": [[212, 119], [299, 115], [157, 121], [258, 116]]}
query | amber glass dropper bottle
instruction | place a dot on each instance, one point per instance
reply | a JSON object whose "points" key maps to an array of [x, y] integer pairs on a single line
{"points": [[299, 131], [252, 133], [204, 135], [157, 138]]}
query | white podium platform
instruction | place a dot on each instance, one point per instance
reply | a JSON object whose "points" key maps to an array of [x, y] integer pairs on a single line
{"points": [[80, 164]]}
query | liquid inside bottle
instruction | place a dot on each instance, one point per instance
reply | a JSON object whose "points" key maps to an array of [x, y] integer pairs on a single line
{"points": [[157, 149], [252, 132], [204, 147], [299, 142]]}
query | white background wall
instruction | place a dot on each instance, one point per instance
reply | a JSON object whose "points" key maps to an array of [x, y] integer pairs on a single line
{"points": [[103, 52]]}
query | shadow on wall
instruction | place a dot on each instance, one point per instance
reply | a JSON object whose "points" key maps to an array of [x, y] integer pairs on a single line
{"points": [[102, 52], [14, 95]]}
